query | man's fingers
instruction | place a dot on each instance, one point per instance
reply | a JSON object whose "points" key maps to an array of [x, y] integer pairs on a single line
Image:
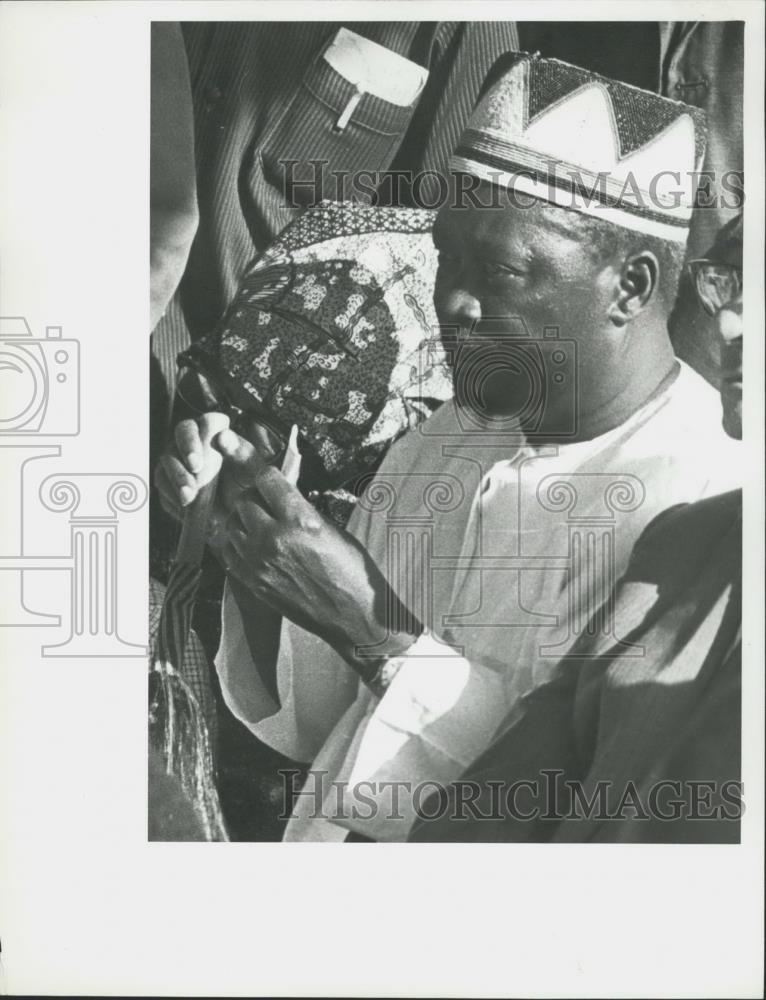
{"points": [[168, 494], [189, 445], [283, 500], [240, 464], [245, 460], [263, 441], [171, 506], [194, 437], [174, 479], [211, 424], [175, 471]]}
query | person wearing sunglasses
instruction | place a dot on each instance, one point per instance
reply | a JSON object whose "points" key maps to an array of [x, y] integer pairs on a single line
{"points": [[639, 741], [718, 283]]}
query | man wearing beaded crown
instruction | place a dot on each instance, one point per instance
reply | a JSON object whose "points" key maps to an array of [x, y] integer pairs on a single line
{"points": [[572, 427]]}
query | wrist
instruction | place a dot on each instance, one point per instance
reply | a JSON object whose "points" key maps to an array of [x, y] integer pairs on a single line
{"points": [[378, 664]]}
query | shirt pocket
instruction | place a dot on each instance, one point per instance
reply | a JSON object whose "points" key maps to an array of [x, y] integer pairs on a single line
{"points": [[316, 136]]}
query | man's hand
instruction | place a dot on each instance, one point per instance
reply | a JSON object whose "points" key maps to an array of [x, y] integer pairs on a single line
{"points": [[199, 448], [287, 555], [277, 546], [193, 462]]}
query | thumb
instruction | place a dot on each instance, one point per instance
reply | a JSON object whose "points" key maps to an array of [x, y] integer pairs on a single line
{"points": [[244, 461], [211, 424]]}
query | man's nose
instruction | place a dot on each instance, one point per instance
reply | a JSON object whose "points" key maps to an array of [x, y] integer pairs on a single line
{"points": [[458, 305], [729, 322]]}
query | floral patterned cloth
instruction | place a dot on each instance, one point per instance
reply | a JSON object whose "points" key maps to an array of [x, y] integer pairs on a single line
{"points": [[333, 329]]}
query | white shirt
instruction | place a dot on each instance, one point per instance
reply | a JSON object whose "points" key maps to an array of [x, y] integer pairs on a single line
{"points": [[513, 548]]}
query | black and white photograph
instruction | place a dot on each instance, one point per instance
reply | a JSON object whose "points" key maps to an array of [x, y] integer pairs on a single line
{"points": [[416, 498], [457, 416]]}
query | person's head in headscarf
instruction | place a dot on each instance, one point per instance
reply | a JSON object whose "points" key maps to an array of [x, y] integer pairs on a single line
{"points": [[562, 246], [718, 282]]}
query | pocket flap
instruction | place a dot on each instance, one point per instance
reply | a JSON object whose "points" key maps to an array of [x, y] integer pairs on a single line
{"points": [[333, 90]]}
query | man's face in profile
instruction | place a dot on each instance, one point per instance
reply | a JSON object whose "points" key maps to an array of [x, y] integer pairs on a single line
{"points": [[729, 326], [717, 280], [512, 272]]}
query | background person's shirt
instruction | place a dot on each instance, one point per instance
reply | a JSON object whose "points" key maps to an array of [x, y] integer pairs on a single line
{"points": [[263, 94]]}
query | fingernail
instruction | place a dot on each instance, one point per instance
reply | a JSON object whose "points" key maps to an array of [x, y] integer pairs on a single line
{"points": [[187, 495], [291, 463], [194, 461], [227, 441]]}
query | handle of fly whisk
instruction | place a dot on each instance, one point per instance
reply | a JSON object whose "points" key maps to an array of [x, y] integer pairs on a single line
{"points": [[194, 531]]}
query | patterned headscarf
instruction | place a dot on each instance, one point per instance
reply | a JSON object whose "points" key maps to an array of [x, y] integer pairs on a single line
{"points": [[333, 329]]}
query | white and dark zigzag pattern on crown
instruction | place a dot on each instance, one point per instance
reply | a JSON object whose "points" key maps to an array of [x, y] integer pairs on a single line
{"points": [[639, 114]]}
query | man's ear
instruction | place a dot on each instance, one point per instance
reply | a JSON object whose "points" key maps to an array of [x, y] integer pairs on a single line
{"points": [[639, 278]]}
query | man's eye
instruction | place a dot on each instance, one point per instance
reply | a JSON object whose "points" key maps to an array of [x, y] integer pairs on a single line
{"points": [[495, 270]]}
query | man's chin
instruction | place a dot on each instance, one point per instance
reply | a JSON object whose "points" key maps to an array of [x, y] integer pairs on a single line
{"points": [[486, 407], [492, 395]]}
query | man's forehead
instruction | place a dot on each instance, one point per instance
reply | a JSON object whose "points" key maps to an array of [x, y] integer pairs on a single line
{"points": [[507, 223]]}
